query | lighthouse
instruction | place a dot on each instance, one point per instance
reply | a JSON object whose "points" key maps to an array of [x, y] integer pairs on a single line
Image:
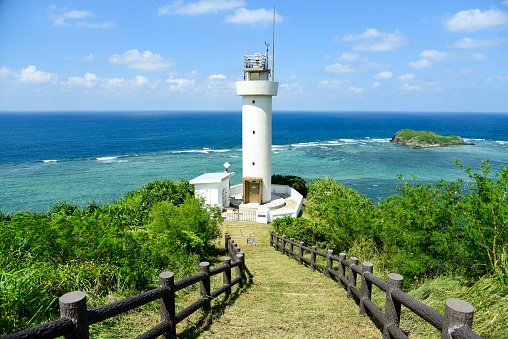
{"points": [[257, 91]]}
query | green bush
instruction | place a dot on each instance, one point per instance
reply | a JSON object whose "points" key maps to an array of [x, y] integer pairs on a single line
{"points": [[122, 246]]}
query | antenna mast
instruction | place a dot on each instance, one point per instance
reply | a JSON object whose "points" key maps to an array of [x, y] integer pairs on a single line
{"points": [[273, 46]]}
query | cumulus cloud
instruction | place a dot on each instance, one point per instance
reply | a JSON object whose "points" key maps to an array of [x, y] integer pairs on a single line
{"points": [[65, 17], [374, 40], [376, 84], [423, 63], [146, 61], [406, 77], [181, 84], [30, 74], [88, 58], [348, 57], [90, 80], [474, 20], [200, 7], [356, 90], [339, 68], [217, 76], [435, 55], [383, 75], [293, 88], [474, 43], [254, 17], [333, 84]]}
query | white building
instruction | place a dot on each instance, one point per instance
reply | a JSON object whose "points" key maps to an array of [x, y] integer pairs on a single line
{"points": [[214, 188]]}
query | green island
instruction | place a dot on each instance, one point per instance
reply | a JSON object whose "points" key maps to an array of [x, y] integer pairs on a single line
{"points": [[425, 139], [448, 240]]}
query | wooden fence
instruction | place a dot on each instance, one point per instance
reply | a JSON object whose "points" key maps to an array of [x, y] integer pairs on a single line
{"points": [[456, 322], [76, 319]]}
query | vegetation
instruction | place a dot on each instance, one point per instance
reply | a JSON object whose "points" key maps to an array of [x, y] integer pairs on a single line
{"points": [[120, 247], [291, 180], [425, 232], [421, 139]]}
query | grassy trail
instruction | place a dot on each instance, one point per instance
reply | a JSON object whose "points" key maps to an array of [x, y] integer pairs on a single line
{"points": [[282, 299]]}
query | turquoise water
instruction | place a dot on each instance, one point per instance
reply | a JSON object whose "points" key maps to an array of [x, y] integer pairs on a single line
{"points": [[92, 157]]}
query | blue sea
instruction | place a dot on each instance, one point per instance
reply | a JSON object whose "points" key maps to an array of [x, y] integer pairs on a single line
{"points": [[80, 157]]}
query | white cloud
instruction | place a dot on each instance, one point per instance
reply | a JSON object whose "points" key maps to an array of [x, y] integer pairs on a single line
{"points": [[253, 17], [92, 81], [334, 84], [376, 84], [473, 43], [32, 75], [408, 87], [217, 76], [181, 85], [502, 79], [474, 19], [374, 40], [476, 56], [356, 90], [88, 58], [435, 55], [423, 63], [146, 61], [348, 57], [200, 7], [64, 17], [383, 75], [339, 68], [293, 88], [406, 77]]}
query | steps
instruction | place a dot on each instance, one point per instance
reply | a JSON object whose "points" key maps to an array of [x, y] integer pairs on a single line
{"points": [[283, 299]]}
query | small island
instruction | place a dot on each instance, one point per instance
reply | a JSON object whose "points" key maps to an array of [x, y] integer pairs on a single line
{"points": [[425, 139]]}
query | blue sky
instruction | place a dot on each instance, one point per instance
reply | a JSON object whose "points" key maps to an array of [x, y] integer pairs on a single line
{"points": [[186, 55]]}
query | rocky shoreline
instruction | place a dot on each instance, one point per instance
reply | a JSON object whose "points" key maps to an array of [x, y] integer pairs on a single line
{"points": [[425, 139]]}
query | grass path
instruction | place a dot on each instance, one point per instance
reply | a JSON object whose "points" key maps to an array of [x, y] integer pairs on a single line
{"points": [[281, 299]]}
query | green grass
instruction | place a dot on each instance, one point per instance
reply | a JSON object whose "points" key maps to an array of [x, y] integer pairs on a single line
{"points": [[426, 137]]}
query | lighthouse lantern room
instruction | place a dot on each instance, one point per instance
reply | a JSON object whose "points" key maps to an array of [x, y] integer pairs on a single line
{"points": [[257, 91]]}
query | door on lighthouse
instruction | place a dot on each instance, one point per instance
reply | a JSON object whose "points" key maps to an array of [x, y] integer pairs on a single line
{"points": [[252, 189]]}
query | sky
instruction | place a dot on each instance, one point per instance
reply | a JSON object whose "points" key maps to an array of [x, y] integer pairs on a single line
{"points": [[330, 55]]}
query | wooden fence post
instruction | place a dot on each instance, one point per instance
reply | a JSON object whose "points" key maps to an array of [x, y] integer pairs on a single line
{"points": [[313, 258], [283, 247], [73, 306], [366, 286], [226, 239], [351, 276], [329, 263], [271, 238], [276, 241], [458, 313], [226, 275], [342, 273], [291, 248], [300, 257], [239, 269], [167, 303], [204, 286], [392, 306]]}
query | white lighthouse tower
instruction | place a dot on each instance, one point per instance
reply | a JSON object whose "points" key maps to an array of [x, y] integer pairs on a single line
{"points": [[257, 91]]}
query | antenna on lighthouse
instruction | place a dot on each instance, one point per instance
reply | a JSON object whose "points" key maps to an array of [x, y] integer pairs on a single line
{"points": [[273, 46]]}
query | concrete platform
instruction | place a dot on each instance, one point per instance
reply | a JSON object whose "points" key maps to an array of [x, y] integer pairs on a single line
{"points": [[277, 202]]}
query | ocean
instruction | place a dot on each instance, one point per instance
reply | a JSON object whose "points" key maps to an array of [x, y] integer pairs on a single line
{"points": [[80, 157]]}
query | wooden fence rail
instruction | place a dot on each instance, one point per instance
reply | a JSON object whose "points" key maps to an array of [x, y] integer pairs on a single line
{"points": [[456, 322], [76, 319]]}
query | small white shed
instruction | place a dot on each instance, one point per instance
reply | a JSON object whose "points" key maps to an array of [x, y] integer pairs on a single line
{"points": [[213, 187]]}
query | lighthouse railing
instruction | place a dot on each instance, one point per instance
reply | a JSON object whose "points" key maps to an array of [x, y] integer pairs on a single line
{"points": [[257, 61]]}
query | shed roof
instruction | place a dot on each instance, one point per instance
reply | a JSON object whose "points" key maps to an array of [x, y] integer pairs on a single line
{"points": [[210, 178]]}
